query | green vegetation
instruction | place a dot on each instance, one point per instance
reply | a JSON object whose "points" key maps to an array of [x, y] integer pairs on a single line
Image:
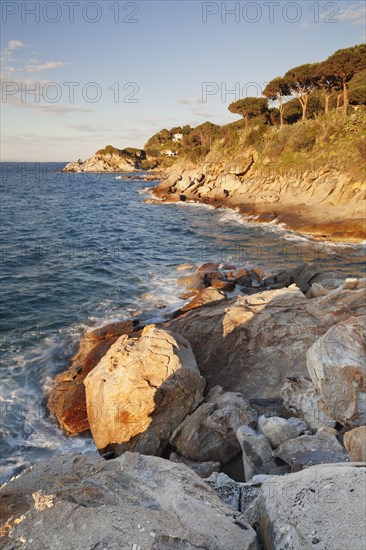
{"points": [[318, 118], [312, 117]]}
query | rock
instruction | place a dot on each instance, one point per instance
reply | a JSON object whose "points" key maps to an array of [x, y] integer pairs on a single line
{"points": [[208, 434], [303, 274], [67, 397], [328, 430], [249, 493], [208, 267], [316, 290], [203, 469], [199, 280], [302, 399], [206, 296], [252, 343], [132, 502], [269, 407], [278, 280], [223, 285], [309, 450], [242, 276], [337, 366], [300, 424], [355, 443], [225, 488], [257, 452], [110, 159], [277, 430], [328, 280], [141, 391], [354, 284], [321, 507]]}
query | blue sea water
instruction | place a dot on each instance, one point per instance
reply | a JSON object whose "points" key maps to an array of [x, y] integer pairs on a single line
{"points": [[81, 250]]}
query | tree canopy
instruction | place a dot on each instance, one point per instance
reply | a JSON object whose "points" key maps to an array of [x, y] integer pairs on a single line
{"points": [[249, 107]]}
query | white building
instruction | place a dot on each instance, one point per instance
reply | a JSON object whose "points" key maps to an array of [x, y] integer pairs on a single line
{"points": [[168, 153], [177, 137]]}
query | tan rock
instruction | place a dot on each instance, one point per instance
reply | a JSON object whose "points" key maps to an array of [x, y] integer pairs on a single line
{"points": [[355, 443], [67, 397], [206, 296], [141, 390], [252, 343]]}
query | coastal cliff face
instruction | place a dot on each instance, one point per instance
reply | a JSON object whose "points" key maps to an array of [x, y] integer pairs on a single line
{"points": [[326, 203], [311, 176], [110, 159]]}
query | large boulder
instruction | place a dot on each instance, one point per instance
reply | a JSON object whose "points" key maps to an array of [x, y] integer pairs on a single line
{"points": [[308, 450], [208, 434], [337, 366], [141, 390], [67, 400], [132, 502], [252, 343], [321, 507]]}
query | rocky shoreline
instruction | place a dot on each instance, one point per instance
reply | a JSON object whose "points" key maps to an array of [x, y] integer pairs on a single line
{"points": [[325, 204], [236, 423]]}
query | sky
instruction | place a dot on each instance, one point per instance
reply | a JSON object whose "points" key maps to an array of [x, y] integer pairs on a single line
{"points": [[78, 75]]}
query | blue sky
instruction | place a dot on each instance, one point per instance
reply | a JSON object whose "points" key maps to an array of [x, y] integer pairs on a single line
{"points": [[146, 65]]}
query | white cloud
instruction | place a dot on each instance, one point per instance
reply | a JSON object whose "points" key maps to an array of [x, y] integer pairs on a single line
{"points": [[194, 101], [46, 66], [354, 14], [16, 44]]}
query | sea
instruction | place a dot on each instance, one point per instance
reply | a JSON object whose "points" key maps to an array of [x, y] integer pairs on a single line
{"points": [[81, 250]]}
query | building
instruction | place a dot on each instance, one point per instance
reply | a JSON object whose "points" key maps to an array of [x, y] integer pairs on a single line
{"points": [[168, 153], [177, 137]]}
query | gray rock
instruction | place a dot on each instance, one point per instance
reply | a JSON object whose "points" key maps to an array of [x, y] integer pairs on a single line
{"points": [[257, 452], [308, 450], [203, 469], [302, 399], [277, 430], [132, 502], [226, 488], [320, 508], [300, 424], [337, 366], [303, 274], [208, 434]]}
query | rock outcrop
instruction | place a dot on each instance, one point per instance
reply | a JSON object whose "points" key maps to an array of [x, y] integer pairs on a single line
{"points": [[110, 159], [337, 366], [141, 390], [240, 342], [330, 205], [134, 501]]}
